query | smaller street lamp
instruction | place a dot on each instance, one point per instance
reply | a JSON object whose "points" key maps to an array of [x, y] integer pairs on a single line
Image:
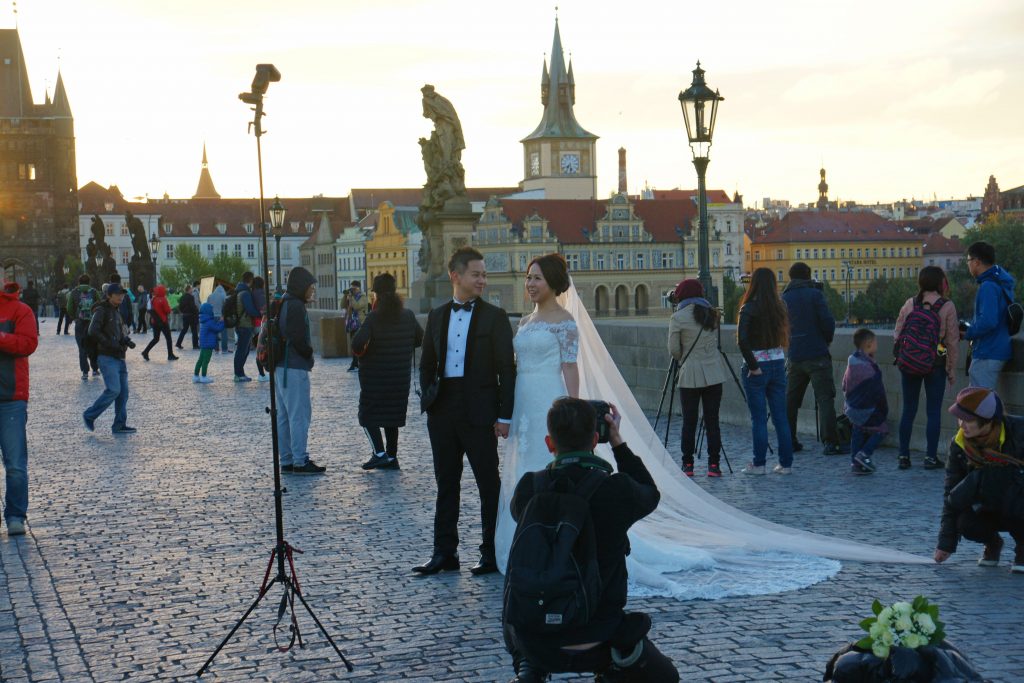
{"points": [[154, 248], [277, 227], [849, 272]]}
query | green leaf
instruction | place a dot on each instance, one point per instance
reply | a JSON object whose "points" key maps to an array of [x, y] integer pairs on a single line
{"points": [[865, 643], [933, 612], [919, 604], [866, 624], [876, 607]]}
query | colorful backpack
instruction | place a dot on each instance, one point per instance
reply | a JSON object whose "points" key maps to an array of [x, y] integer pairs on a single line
{"points": [[917, 346]]}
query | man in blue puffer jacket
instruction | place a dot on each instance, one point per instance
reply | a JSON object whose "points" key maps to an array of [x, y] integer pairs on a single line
{"points": [[811, 328], [988, 331]]}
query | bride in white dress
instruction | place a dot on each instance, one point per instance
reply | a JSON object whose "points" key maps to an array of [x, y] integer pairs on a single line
{"points": [[693, 545]]}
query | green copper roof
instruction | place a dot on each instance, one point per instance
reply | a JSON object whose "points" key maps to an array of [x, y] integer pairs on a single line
{"points": [[558, 120]]}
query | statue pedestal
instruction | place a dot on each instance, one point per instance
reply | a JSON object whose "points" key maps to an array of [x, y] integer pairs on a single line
{"points": [[449, 230]]}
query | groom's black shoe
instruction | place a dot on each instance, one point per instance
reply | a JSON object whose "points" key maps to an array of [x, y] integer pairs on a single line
{"points": [[439, 563], [486, 565]]}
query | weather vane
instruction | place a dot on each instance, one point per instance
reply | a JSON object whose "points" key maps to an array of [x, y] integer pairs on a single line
{"points": [[14, 6]]}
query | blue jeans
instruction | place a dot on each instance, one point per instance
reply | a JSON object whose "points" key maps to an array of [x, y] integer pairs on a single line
{"points": [[115, 377], [767, 393], [934, 389], [85, 359], [14, 445], [294, 412], [984, 372], [244, 343], [863, 441]]}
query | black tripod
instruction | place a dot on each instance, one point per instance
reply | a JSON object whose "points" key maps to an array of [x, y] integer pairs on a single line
{"points": [[265, 74]]}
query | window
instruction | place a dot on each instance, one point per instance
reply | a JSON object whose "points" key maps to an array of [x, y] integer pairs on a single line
{"points": [[168, 228], [832, 253], [237, 250], [728, 249], [194, 228], [249, 228], [780, 275], [728, 226], [832, 274], [522, 262], [209, 248], [901, 271], [842, 253], [815, 274], [668, 260], [778, 254], [108, 229], [169, 250], [124, 230], [126, 255], [859, 274], [798, 252], [309, 226], [757, 254], [714, 257], [917, 251], [858, 253], [620, 262], [690, 257], [26, 171], [815, 253], [224, 248], [636, 233], [599, 262], [250, 250], [874, 272], [536, 232], [573, 260], [222, 228], [640, 261], [900, 252]]}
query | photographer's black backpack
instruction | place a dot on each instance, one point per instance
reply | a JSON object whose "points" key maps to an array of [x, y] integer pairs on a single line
{"points": [[552, 582], [230, 310]]}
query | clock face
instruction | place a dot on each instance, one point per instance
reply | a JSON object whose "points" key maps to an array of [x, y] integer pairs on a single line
{"points": [[570, 164], [535, 163]]}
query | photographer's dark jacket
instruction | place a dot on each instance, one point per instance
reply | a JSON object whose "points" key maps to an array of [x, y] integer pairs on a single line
{"points": [[294, 322], [811, 325], [107, 330], [957, 469], [623, 499]]}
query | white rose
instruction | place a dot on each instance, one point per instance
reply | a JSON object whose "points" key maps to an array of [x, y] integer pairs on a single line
{"points": [[888, 638], [879, 650], [925, 623], [904, 623], [913, 640], [877, 629], [885, 615], [903, 608]]}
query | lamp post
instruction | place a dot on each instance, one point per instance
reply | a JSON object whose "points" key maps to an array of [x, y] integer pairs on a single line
{"points": [[277, 227], [700, 107], [849, 272], [154, 248]]}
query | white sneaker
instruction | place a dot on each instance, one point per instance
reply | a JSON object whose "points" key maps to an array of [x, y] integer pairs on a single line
{"points": [[263, 378], [196, 379], [206, 380], [753, 469], [779, 469]]}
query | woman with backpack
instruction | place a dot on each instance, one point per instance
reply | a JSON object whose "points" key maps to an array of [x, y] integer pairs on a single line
{"points": [[693, 342], [384, 344], [160, 322], [927, 337], [763, 337]]}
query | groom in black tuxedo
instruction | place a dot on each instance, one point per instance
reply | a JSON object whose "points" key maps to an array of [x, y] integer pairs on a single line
{"points": [[468, 378]]}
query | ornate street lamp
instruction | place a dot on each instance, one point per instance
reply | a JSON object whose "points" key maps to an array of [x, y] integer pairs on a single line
{"points": [[154, 248], [849, 273], [700, 107], [277, 227]]}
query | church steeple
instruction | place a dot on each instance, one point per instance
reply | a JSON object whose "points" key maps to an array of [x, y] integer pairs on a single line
{"points": [[545, 84], [558, 94], [15, 92], [61, 106], [205, 189], [822, 193]]}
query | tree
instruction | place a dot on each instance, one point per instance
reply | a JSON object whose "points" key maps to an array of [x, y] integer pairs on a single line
{"points": [[1003, 233], [228, 268], [896, 293], [731, 295], [191, 266], [836, 305]]}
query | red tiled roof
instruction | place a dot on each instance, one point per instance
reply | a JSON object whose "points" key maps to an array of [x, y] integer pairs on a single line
{"points": [[939, 244], [368, 199], [568, 218], [209, 212], [714, 196], [831, 226]]}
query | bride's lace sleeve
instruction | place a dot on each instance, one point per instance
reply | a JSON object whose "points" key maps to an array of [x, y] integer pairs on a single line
{"points": [[568, 340]]}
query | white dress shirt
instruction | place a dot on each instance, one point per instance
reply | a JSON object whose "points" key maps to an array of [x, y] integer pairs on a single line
{"points": [[455, 357]]}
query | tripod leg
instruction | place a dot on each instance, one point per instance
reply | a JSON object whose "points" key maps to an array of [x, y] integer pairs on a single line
{"points": [[245, 616], [664, 390], [668, 417], [323, 630]]}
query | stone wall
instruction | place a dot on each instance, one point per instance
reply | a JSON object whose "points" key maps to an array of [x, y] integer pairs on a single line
{"points": [[639, 350]]}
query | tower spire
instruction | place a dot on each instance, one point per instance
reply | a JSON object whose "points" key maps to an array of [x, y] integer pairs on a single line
{"points": [[558, 96], [205, 189]]}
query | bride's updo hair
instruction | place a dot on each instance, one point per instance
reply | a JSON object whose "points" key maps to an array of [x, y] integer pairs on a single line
{"points": [[555, 271]]}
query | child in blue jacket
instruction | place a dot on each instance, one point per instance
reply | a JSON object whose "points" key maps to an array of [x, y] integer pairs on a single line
{"points": [[210, 328]]}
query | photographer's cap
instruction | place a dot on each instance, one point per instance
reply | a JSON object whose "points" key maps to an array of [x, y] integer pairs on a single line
{"points": [[113, 288], [977, 403]]}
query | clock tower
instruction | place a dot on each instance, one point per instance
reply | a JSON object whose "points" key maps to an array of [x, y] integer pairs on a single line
{"points": [[558, 156]]}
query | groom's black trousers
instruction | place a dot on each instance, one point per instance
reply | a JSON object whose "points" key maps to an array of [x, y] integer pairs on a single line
{"points": [[451, 437]]}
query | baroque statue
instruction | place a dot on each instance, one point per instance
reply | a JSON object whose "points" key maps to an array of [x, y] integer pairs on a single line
{"points": [[442, 157]]}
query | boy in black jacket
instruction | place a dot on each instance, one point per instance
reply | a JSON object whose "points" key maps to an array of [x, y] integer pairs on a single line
{"points": [[613, 643]]}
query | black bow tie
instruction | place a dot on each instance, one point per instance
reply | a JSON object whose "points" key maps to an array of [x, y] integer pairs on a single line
{"points": [[468, 306]]}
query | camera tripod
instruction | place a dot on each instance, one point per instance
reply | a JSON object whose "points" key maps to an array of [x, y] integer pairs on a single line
{"points": [[283, 551]]}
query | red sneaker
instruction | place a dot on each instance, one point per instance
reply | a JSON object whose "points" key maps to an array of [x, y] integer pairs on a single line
{"points": [[714, 470], [688, 469]]}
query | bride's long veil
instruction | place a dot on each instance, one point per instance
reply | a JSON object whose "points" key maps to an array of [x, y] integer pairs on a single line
{"points": [[695, 545]]}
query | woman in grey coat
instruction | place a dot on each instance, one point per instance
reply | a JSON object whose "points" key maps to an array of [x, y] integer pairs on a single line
{"points": [[693, 341]]}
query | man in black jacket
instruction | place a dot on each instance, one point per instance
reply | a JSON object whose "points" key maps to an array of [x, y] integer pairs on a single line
{"points": [[613, 643], [467, 378], [293, 361], [109, 336], [189, 317], [30, 297], [984, 492]]}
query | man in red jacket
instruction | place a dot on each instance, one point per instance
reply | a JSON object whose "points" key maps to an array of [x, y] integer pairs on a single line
{"points": [[18, 340]]}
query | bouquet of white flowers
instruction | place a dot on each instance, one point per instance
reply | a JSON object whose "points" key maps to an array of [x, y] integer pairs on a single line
{"points": [[903, 624]]}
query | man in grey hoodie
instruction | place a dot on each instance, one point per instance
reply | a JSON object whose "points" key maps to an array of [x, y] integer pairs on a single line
{"points": [[216, 300]]}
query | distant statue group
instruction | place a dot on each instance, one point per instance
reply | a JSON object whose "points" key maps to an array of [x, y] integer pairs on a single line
{"points": [[140, 268]]}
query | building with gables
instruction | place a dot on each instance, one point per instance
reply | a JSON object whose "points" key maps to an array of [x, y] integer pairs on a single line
{"points": [[38, 178]]}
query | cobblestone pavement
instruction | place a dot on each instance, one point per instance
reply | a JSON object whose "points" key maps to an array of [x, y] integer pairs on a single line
{"points": [[144, 550]]}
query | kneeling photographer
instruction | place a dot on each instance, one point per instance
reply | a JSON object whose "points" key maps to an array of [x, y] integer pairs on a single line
{"points": [[565, 585], [984, 491]]}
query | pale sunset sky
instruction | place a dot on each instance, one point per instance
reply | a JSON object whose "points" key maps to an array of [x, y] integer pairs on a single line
{"points": [[897, 99]]}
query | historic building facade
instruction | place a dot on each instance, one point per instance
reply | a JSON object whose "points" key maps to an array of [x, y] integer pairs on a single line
{"points": [[38, 181]]}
